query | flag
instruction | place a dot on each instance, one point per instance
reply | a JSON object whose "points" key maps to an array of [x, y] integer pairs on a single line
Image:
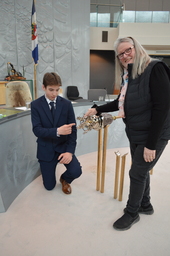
{"points": [[34, 34]]}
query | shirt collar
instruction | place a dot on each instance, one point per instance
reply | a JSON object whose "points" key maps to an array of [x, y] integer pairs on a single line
{"points": [[48, 101]]}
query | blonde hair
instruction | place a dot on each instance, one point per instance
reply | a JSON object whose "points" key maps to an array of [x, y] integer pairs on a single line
{"points": [[141, 60]]}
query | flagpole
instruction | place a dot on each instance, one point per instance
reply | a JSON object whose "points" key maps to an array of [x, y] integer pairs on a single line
{"points": [[35, 82], [34, 46]]}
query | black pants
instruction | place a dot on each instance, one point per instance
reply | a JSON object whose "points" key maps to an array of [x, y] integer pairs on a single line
{"points": [[139, 194]]}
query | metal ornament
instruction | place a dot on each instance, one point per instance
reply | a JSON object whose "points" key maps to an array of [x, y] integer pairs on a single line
{"points": [[95, 122]]}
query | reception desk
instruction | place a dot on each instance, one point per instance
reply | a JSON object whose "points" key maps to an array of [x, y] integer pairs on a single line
{"points": [[18, 162]]}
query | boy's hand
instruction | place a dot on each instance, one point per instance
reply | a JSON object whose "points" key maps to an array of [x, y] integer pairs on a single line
{"points": [[65, 158], [65, 129]]}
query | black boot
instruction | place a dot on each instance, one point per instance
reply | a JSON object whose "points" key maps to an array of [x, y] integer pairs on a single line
{"points": [[126, 221]]}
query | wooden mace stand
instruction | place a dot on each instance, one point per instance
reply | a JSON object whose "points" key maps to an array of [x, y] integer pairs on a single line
{"points": [[101, 165], [101, 159], [119, 172]]}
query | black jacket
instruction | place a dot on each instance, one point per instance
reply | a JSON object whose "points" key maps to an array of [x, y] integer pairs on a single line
{"points": [[142, 127]]}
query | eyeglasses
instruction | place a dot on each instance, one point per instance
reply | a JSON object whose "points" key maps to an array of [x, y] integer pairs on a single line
{"points": [[127, 52]]}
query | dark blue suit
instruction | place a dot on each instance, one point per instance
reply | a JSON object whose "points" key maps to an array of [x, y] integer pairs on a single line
{"points": [[49, 146]]}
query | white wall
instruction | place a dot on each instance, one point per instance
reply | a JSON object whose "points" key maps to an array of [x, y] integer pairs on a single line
{"points": [[96, 38], [153, 36]]}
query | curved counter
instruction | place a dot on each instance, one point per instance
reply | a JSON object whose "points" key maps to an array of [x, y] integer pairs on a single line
{"points": [[18, 161], [19, 165]]}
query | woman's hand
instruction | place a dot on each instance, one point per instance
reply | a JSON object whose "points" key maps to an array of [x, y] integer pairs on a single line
{"points": [[149, 155], [91, 112]]}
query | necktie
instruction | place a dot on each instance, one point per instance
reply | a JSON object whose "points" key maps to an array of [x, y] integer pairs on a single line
{"points": [[52, 108]]}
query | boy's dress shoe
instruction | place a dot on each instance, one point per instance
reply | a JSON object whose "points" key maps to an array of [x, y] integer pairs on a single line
{"points": [[66, 188]]}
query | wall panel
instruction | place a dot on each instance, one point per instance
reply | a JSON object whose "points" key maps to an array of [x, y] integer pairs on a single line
{"points": [[63, 36]]}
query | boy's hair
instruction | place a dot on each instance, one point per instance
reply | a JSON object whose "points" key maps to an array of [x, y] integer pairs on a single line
{"points": [[51, 79]]}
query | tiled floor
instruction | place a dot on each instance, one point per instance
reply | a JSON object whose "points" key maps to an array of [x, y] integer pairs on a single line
{"points": [[43, 223]]}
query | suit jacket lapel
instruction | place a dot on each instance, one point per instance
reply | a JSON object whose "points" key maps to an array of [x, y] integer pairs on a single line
{"points": [[59, 105]]}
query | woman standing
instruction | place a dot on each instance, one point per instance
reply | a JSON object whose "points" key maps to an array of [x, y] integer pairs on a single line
{"points": [[144, 105]]}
